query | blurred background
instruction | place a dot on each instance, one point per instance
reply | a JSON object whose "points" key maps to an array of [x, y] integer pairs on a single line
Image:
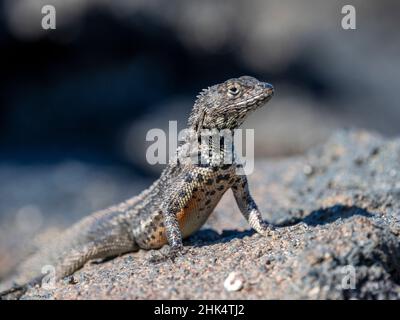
{"points": [[76, 102]]}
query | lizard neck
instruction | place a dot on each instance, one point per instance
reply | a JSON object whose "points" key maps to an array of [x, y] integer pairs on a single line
{"points": [[208, 147]]}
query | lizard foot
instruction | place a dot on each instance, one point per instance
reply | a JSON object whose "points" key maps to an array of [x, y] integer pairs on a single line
{"points": [[170, 255], [267, 230]]}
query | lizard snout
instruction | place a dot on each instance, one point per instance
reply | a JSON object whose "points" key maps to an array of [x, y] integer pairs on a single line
{"points": [[268, 88]]}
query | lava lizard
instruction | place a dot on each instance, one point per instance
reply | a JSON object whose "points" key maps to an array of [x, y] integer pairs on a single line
{"points": [[174, 206]]}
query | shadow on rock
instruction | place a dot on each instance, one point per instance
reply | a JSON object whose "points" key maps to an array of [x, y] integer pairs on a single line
{"points": [[318, 217], [336, 212], [205, 237]]}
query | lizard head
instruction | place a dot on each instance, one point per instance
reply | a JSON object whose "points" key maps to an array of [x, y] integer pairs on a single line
{"points": [[226, 105]]}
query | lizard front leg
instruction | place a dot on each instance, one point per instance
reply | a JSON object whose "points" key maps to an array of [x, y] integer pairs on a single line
{"points": [[173, 233], [248, 207], [174, 202]]}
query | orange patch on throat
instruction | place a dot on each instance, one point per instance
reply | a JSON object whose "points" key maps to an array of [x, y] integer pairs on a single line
{"points": [[184, 214]]}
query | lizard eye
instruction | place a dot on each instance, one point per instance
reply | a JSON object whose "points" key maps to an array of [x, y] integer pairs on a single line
{"points": [[233, 90]]}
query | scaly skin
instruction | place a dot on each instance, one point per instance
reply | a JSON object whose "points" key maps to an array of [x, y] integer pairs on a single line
{"points": [[176, 205]]}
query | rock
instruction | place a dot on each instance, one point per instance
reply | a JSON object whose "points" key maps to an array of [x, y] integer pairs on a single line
{"points": [[337, 215]]}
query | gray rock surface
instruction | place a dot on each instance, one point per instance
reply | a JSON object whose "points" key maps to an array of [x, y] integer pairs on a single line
{"points": [[337, 211]]}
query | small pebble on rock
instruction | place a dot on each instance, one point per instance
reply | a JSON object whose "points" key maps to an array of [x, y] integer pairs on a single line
{"points": [[234, 282]]}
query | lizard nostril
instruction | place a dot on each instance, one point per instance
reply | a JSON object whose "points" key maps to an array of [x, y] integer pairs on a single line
{"points": [[269, 88]]}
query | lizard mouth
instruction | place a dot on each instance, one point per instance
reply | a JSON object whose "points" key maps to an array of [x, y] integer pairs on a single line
{"points": [[266, 95], [256, 100], [261, 99]]}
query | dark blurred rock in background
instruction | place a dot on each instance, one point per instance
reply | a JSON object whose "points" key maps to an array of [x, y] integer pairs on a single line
{"points": [[76, 102]]}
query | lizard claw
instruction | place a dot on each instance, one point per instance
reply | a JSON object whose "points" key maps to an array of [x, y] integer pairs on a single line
{"points": [[176, 252], [267, 230], [171, 255]]}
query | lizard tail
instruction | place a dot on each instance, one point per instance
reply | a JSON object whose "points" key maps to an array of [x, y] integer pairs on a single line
{"points": [[94, 237]]}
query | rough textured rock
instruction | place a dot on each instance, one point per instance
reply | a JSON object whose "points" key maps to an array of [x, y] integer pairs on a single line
{"points": [[337, 211]]}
